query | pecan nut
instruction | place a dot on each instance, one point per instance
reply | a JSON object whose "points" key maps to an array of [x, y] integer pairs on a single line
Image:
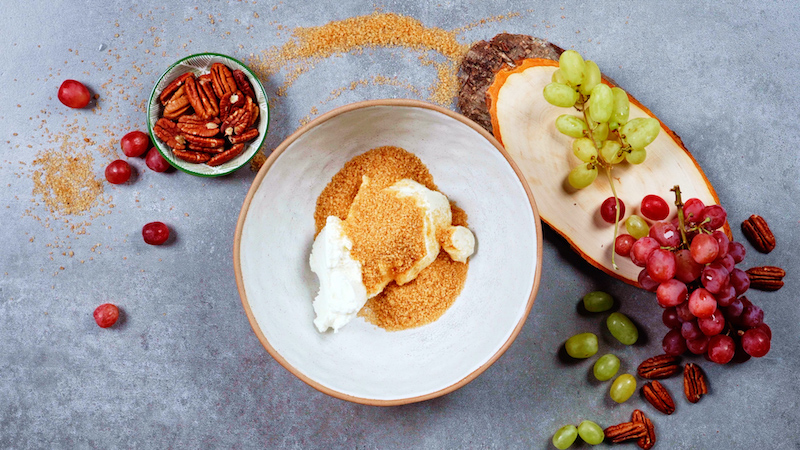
{"points": [[198, 94], [647, 441], [237, 120], [168, 131], [173, 87], [243, 83], [177, 105], [658, 367], [758, 233], [766, 278], [203, 129], [247, 135], [207, 142], [625, 431], [226, 156], [192, 157], [230, 102], [694, 382], [658, 396], [223, 80], [199, 148]]}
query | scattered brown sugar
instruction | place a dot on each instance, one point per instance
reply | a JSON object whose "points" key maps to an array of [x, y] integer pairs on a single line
{"points": [[422, 300]]}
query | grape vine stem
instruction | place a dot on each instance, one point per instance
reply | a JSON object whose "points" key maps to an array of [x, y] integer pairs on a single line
{"points": [[681, 218]]}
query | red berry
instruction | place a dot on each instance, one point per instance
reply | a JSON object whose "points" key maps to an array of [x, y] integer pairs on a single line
{"points": [[155, 233], [608, 210], [118, 172], [654, 207], [623, 244], [106, 315], [134, 143], [155, 161], [74, 94]]}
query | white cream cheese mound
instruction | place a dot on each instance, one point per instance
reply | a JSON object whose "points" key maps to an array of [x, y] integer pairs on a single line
{"points": [[341, 290]]}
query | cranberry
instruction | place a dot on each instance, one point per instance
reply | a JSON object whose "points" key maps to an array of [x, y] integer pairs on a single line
{"points": [[74, 94], [106, 315], [135, 143], [155, 233]]}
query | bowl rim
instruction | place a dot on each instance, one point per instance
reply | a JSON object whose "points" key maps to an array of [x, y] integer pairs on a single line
{"points": [[257, 182], [161, 147]]}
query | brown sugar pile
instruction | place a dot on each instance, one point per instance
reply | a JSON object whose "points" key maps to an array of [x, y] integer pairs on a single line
{"points": [[427, 297]]}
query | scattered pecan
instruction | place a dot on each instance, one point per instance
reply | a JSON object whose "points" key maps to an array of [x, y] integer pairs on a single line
{"points": [[168, 131], [658, 396], [204, 129], [192, 157], [658, 367], [207, 142], [226, 156], [177, 105], [247, 135], [625, 431], [243, 83], [758, 233], [223, 80], [694, 382], [173, 87], [649, 439], [766, 278]]}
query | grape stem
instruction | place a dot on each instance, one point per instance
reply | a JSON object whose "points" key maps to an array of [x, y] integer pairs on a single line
{"points": [[681, 218]]}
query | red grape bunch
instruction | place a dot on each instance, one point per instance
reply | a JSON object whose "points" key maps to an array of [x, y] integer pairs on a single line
{"points": [[689, 263]]}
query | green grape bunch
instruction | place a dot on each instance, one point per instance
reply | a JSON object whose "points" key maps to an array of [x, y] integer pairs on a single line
{"points": [[604, 136]]}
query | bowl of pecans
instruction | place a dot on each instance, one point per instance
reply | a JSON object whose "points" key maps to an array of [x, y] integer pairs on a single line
{"points": [[208, 114]]}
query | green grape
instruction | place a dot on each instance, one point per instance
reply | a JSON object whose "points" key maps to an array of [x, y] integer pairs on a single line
{"points": [[591, 77], [560, 95], [584, 149], [606, 367], [598, 301], [621, 107], [570, 125], [591, 433], [582, 176], [572, 65], [601, 103], [622, 328], [610, 151], [600, 131], [640, 132], [636, 227], [622, 388], [565, 436], [581, 345], [636, 156], [558, 77]]}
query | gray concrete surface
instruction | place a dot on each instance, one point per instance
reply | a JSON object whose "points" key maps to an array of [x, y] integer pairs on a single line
{"points": [[184, 369]]}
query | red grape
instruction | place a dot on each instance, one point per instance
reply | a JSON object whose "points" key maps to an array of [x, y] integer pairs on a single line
{"points": [[684, 314], [134, 143], [692, 210], [106, 315], [715, 216], [740, 281], [155, 233], [666, 234], [661, 265], [673, 343], [737, 251], [671, 293], [714, 278], [713, 325], [74, 94], [726, 262], [733, 312], [702, 303], [690, 330], [670, 318], [704, 248], [118, 172], [723, 242], [608, 210], [654, 207], [647, 283], [623, 244], [155, 161], [642, 249], [755, 342], [686, 269], [698, 346], [752, 316], [726, 296], [765, 328], [721, 349]]}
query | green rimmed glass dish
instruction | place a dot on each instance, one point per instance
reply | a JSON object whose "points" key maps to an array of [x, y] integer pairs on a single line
{"points": [[200, 64]]}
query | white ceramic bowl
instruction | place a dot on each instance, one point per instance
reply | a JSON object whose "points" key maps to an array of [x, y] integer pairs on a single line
{"points": [[364, 363], [200, 63]]}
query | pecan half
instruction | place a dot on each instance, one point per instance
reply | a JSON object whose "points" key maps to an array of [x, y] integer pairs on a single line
{"points": [[223, 80], [168, 131], [177, 105], [195, 119], [209, 99], [649, 439], [204, 106], [625, 431], [204, 129], [658, 367], [758, 233], [694, 382], [658, 396], [226, 156], [766, 278], [247, 135], [243, 83], [199, 148], [207, 142], [254, 109], [173, 87], [230, 102], [192, 157], [237, 120]]}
